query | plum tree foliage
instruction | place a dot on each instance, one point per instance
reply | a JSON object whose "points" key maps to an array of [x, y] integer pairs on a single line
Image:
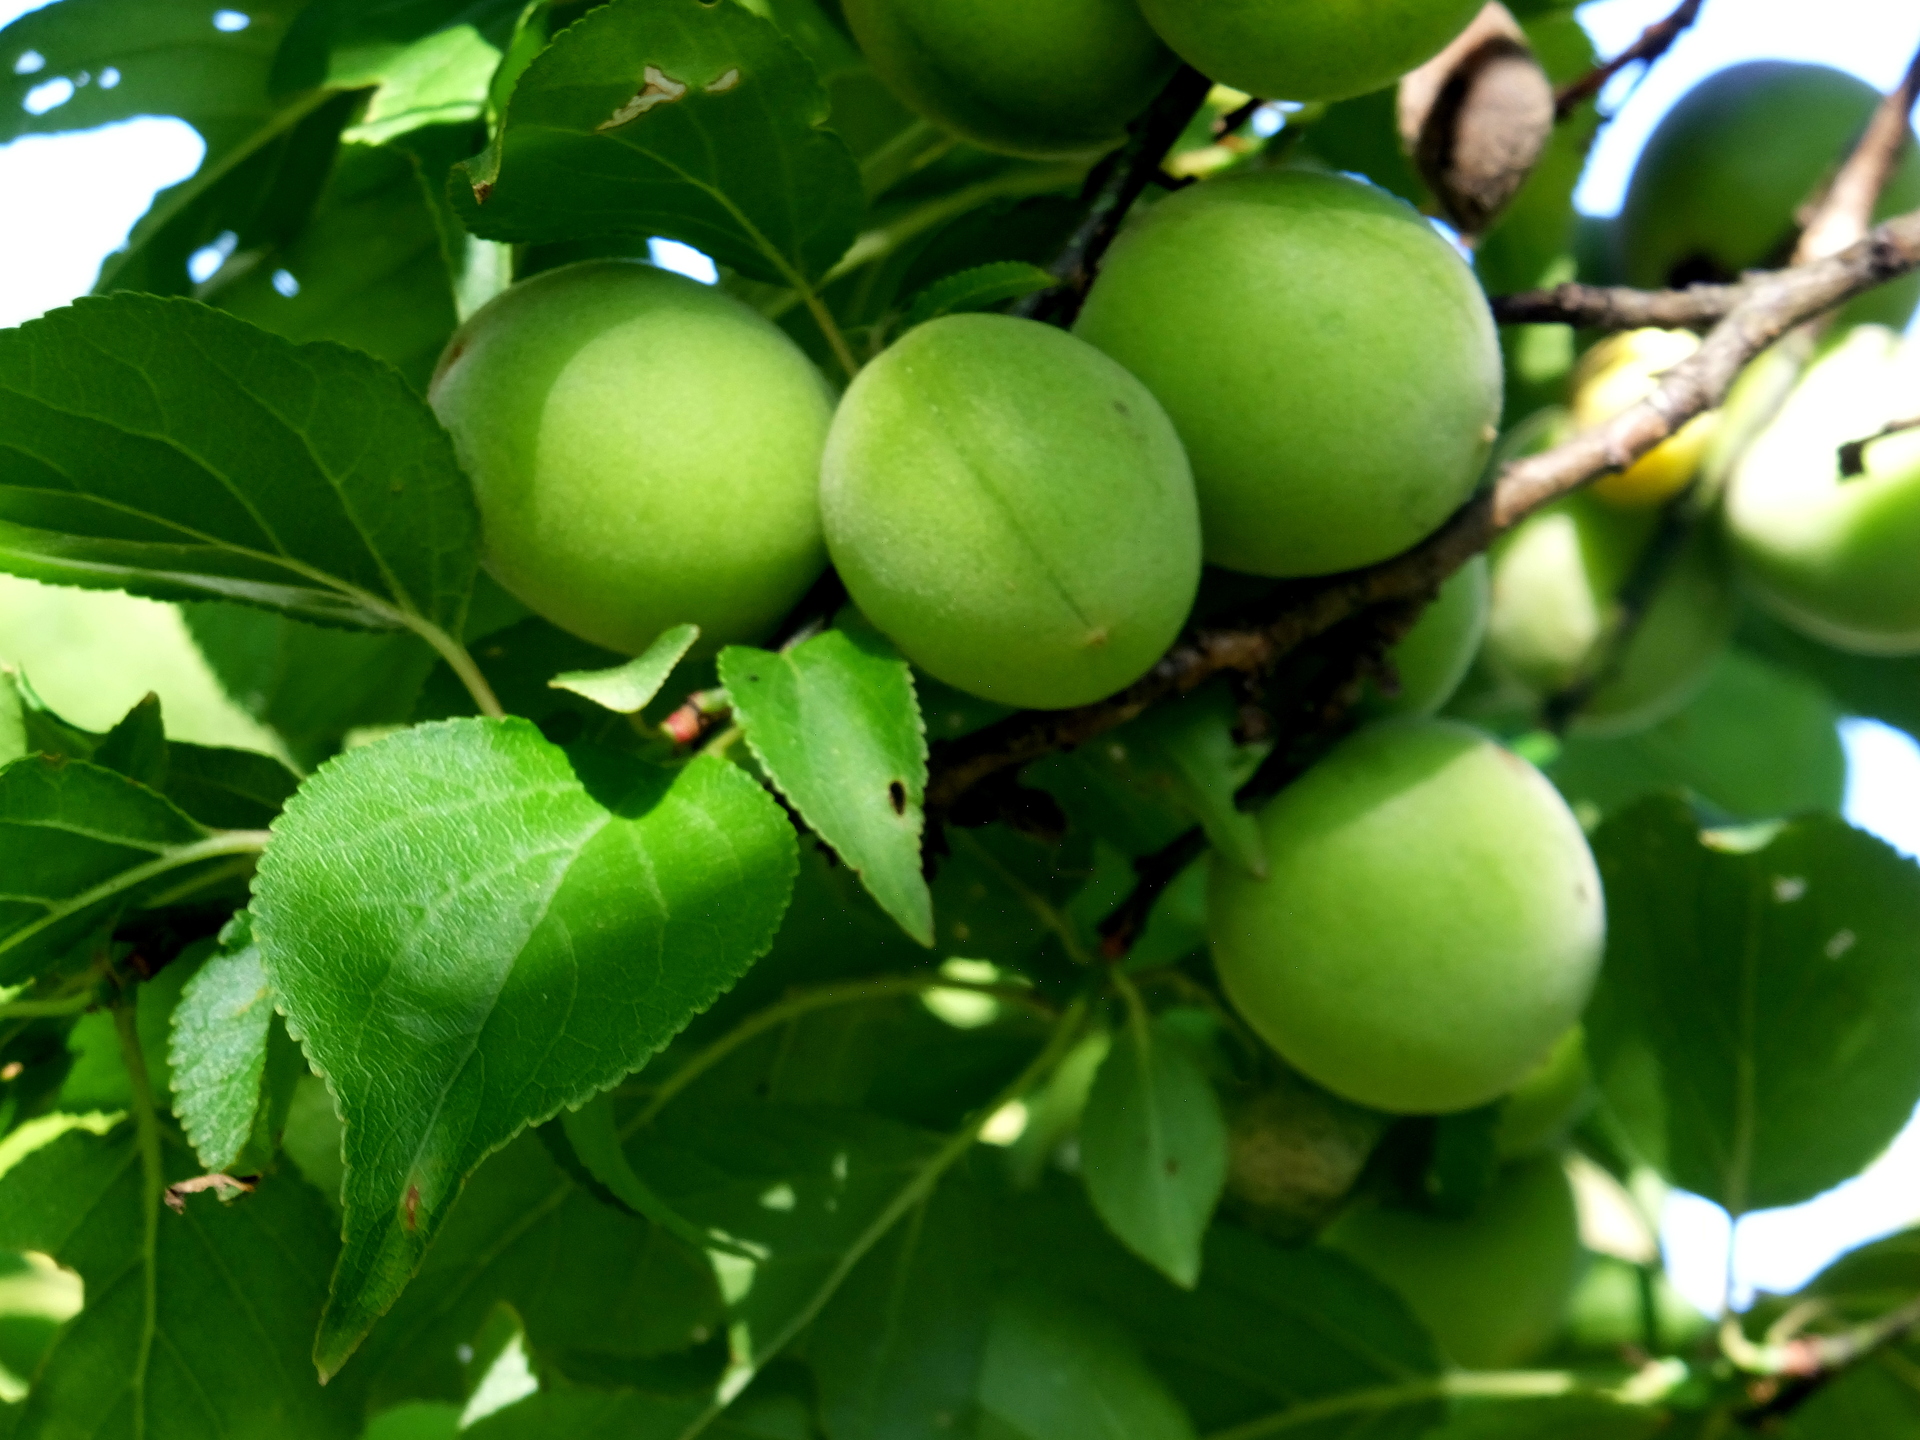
{"points": [[1077, 803]]}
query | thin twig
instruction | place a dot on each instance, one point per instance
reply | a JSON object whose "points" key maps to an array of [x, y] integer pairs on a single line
{"points": [[1654, 42], [1773, 305], [1153, 874], [1114, 185], [1846, 210], [1615, 307], [1853, 454], [1234, 119]]}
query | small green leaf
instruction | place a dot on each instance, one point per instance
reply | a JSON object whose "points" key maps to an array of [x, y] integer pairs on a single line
{"points": [[1757, 1025], [595, 1142], [218, 1052], [837, 726], [160, 446], [1189, 747], [260, 1264], [78, 842], [1058, 1370], [1153, 1147], [671, 117], [980, 288], [470, 929], [630, 688], [227, 789], [137, 746]]}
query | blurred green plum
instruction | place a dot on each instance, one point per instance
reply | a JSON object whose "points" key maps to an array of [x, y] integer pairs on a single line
{"points": [[1721, 186], [645, 452], [1013, 510], [1492, 1287], [1329, 361], [1429, 927], [1433, 658], [1025, 77], [1837, 556], [1308, 49]]}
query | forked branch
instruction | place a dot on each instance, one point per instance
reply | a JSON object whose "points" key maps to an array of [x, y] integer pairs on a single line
{"points": [[1654, 42]]}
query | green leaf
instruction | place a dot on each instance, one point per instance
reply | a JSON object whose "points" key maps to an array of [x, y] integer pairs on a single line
{"points": [[1267, 1331], [218, 1052], [630, 688], [980, 288], [1153, 1148], [311, 684], [598, 1291], [587, 1415], [1558, 1418], [1886, 689], [77, 843], [238, 1291], [897, 1351], [1757, 1025], [367, 269], [678, 118], [1875, 1395], [159, 446], [423, 1421], [1757, 743], [1057, 1370], [837, 726], [1188, 748], [227, 789], [137, 746], [594, 1140], [470, 929]]}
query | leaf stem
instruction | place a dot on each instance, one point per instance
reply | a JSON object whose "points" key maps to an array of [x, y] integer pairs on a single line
{"points": [[804, 1002], [53, 1009], [460, 660], [1489, 1385], [830, 328], [153, 1184], [1065, 1035]]}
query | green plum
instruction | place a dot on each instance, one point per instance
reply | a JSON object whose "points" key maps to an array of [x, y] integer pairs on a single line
{"points": [[1550, 1101], [1838, 556], [1434, 657], [1027, 77], [1720, 185], [1556, 581], [644, 450], [1329, 360], [1308, 49], [1013, 510], [1429, 927], [1492, 1287]]}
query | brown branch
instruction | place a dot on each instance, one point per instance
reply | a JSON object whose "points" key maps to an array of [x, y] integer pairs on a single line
{"points": [[1154, 873], [1611, 307], [1114, 185], [1846, 211], [1234, 119], [1654, 42], [1773, 305]]}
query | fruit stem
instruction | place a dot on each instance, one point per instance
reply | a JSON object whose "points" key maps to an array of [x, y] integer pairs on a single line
{"points": [[830, 328]]}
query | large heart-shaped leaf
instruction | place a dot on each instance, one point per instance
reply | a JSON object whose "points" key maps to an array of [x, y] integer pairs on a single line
{"points": [[672, 117], [470, 929], [836, 724], [160, 446], [1757, 1025]]}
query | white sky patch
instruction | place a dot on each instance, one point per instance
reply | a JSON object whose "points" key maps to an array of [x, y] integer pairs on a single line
{"points": [[683, 260]]}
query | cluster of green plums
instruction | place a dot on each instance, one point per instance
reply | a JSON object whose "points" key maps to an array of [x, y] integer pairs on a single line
{"points": [[1283, 373]]}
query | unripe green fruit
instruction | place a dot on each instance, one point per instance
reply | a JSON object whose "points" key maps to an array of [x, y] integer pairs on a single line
{"points": [[1014, 510], [1556, 584], [644, 450], [1546, 1105], [1430, 924], [1491, 1288], [1308, 49], [1719, 188], [1027, 77], [1434, 657], [1329, 360], [1838, 556]]}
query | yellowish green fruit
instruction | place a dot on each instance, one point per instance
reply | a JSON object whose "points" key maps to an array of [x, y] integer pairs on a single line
{"points": [[1618, 374], [1492, 1287], [1429, 927], [1308, 49], [1550, 1101], [1329, 360], [645, 452], [1556, 611], [1722, 183], [1014, 510], [1434, 657], [1027, 77], [1838, 556]]}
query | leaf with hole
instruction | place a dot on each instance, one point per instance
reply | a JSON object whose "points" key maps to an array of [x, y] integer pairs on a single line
{"points": [[470, 929], [836, 724], [700, 122], [1757, 1025]]}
